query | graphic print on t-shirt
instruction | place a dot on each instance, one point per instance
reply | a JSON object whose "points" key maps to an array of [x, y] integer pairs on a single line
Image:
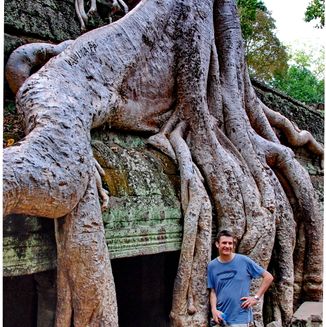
{"points": [[224, 277]]}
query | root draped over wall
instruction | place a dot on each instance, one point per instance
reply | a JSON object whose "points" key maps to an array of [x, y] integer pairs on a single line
{"points": [[175, 70]]}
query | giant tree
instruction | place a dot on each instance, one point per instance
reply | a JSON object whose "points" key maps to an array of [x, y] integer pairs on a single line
{"points": [[173, 69]]}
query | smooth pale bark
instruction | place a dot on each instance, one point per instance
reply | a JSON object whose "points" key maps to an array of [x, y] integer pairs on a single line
{"points": [[84, 268], [175, 70]]}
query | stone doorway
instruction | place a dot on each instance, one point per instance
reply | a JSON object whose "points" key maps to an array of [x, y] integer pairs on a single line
{"points": [[144, 286]]}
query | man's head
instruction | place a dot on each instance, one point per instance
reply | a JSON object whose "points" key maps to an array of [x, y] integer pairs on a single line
{"points": [[223, 232], [225, 242]]}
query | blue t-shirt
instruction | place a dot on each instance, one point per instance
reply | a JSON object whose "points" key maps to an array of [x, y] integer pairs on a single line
{"points": [[231, 281]]}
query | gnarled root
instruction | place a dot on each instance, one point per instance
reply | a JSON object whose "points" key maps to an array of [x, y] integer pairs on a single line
{"points": [[161, 141], [85, 281], [117, 5], [190, 295], [93, 9], [295, 176], [298, 177], [81, 14], [120, 4], [103, 193], [293, 134], [22, 61]]}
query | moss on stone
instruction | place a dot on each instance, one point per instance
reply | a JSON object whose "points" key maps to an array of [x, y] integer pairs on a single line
{"points": [[144, 215], [33, 255]]}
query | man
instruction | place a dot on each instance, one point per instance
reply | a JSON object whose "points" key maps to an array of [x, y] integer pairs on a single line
{"points": [[229, 279]]}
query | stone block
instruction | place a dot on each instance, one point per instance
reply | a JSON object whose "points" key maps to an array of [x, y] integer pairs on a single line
{"points": [[274, 324], [309, 314]]}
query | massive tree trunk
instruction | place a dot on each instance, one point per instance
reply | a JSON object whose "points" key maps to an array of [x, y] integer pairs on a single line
{"points": [[174, 69]]}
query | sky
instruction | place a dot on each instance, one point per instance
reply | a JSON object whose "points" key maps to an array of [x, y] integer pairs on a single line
{"points": [[291, 27]]}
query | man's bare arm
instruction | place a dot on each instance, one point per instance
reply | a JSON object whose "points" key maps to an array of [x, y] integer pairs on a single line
{"points": [[250, 301], [213, 301], [267, 281]]}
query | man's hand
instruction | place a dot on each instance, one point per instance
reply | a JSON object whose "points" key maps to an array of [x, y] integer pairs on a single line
{"points": [[248, 302], [217, 315]]}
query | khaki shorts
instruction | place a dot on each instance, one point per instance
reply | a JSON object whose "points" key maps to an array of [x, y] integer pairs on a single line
{"points": [[250, 324]]}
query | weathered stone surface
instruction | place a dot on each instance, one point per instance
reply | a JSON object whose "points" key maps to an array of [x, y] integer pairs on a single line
{"points": [[309, 314], [274, 324], [53, 20], [28, 245], [145, 214]]}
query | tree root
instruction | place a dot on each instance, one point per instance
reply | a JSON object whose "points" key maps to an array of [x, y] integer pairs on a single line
{"points": [[189, 305], [120, 4], [161, 141], [294, 136], [85, 277], [255, 112], [299, 180], [284, 245], [117, 5], [81, 14], [93, 9], [99, 172], [25, 58]]}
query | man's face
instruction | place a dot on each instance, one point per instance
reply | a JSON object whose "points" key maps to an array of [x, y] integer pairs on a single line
{"points": [[225, 245]]}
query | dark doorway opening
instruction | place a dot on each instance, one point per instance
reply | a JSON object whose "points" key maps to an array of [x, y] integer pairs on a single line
{"points": [[144, 286], [144, 289]]}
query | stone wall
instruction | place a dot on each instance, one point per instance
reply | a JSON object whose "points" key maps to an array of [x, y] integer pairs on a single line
{"points": [[145, 214]]}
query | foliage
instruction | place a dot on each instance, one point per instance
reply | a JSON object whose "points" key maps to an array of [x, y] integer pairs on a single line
{"points": [[311, 57], [266, 55], [301, 84], [304, 79], [247, 10], [316, 10]]}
